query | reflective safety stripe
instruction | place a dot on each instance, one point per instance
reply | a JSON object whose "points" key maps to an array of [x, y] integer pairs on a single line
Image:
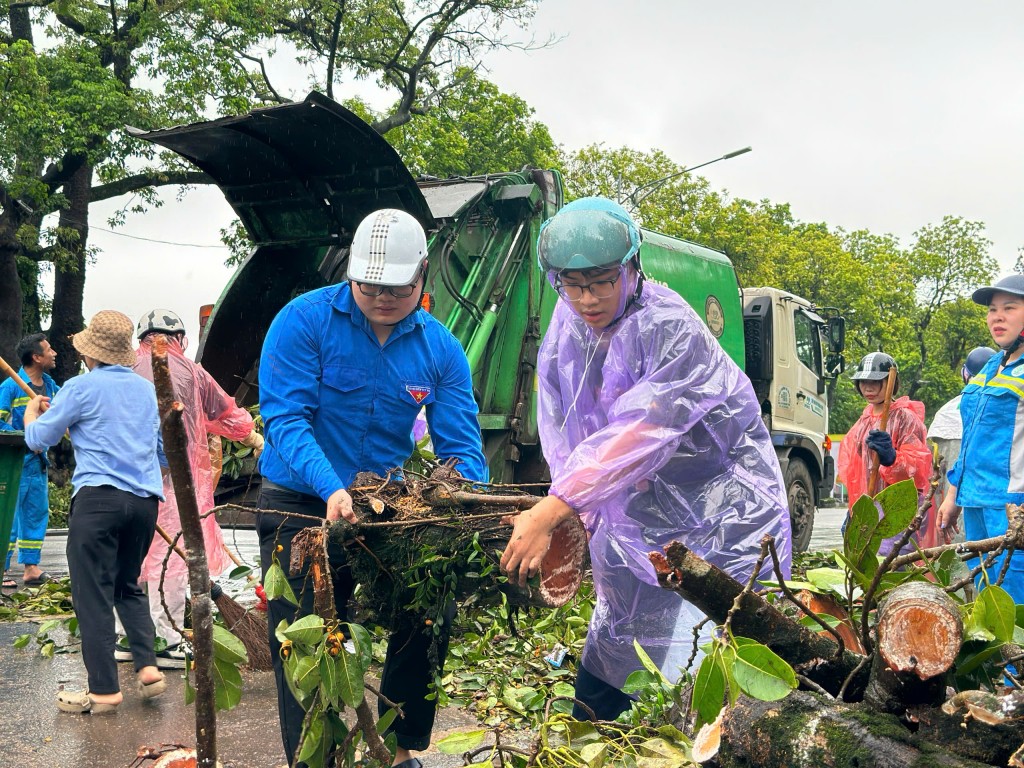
{"points": [[1007, 382], [1017, 452]]}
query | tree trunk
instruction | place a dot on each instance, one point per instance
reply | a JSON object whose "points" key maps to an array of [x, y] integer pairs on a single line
{"points": [[919, 634], [69, 274], [176, 449], [713, 591], [805, 731]]}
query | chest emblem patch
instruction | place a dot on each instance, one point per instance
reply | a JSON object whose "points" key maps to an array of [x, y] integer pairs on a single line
{"points": [[419, 394]]}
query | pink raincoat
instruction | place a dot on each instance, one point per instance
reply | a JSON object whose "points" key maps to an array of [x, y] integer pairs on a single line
{"points": [[653, 434], [913, 459], [208, 409]]}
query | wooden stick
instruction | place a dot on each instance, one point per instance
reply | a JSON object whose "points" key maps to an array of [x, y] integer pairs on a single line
{"points": [[6, 368], [170, 543], [890, 384]]}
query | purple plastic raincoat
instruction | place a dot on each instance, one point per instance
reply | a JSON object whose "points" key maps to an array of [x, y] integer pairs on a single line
{"points": [[208, 409], [653, 434]]}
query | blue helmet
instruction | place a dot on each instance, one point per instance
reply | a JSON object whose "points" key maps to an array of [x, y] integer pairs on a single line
{"points": [[589, 233], [976, 360]]}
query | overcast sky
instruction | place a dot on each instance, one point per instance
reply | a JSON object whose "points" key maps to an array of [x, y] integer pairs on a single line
{"points": [[877, 115]]}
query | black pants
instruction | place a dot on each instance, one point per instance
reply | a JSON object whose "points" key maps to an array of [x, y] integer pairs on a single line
{"points": [[607, 701], [109, 533], [407, 670]]}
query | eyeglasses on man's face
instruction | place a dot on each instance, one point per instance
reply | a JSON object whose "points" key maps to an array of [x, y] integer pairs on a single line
{"points": [[599, 289], [398, 291]]}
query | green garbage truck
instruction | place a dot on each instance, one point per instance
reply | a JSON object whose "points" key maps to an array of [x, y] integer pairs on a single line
{"points": [[301, 177]]}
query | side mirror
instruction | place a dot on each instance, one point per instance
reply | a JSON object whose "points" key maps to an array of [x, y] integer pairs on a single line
{"points": [[835, 364], [835, 330]]}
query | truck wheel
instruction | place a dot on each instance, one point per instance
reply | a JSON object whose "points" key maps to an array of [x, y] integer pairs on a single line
{"points": [[800, 495]]}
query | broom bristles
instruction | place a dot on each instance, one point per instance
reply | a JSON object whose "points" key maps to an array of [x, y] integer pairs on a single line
{"points": [[249, 626]]}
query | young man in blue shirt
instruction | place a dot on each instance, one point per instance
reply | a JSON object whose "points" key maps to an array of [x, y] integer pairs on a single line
{"points": [[32, 513], [344, 372], [111, 414]]}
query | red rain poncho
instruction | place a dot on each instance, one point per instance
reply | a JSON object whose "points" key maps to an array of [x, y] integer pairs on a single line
{"points": [[913, 459], [208, 409]]}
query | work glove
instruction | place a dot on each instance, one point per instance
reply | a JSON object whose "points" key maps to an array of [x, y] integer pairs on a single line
{"points": [[881, 443], [254, 440]]}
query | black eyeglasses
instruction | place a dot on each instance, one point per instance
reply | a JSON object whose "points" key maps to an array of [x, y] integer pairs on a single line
{"points": [[599, 289]]}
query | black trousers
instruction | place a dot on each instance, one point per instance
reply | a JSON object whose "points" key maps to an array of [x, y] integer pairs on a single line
{"points": [[407, 670], [109, 533], [607, 701]]}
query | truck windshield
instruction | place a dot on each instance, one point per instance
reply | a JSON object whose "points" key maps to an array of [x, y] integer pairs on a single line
{"points": [[808, 341]]}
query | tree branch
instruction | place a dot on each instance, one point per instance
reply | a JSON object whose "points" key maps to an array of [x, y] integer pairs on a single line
{"points": [[151, 178]]}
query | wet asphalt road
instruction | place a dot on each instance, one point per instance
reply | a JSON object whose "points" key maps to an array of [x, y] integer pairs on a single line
{"points": [[34, 734]]}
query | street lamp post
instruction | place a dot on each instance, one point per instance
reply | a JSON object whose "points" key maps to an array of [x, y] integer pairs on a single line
{"points": [[657, 183]]}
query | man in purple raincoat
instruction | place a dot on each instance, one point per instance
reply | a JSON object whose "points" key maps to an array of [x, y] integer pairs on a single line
{"points": [[652, 434]]}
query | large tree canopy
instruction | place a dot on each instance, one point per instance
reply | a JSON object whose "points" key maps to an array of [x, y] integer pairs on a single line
{"points": [[64, 103]]}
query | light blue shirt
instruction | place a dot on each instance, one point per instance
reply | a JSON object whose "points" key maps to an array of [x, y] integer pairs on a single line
{"points": [[112, 416]]}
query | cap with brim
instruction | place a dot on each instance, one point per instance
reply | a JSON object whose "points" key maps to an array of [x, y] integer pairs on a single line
{"points": [[108, 339], [1013, 284]]}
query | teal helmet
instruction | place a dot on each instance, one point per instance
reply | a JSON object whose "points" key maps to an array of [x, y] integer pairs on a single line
{"points": [[589, 233]]}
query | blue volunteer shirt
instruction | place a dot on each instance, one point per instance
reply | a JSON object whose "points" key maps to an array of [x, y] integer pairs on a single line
{"points": [[111, 414], [336, 402], [13, 400], [989, 472]]}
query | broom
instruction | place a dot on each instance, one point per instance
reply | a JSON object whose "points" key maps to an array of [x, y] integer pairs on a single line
{"points": [[250, 627]]}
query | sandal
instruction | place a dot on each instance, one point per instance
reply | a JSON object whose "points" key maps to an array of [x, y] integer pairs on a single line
{"points": [[9, 583], [152, 690], [38, 581], [81, 703]]}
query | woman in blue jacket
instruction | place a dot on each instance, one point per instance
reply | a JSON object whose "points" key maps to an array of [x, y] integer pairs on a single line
{"points": [[989, 474]]}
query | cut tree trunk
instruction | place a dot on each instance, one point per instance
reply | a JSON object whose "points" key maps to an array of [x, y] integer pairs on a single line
{"points": [[919, 633], [806, 731], [713, 591]]}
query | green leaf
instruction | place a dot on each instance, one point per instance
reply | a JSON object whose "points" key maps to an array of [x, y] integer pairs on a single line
{"points": [[276, 585], [709, 689], [307, 674], [227, 679], [227, 647], [308, 630], [349, 678], [594, 755], [639, 680], [899, 506], [459, 742], [861, 542], [646, 660], [22, 640], [828, 579], [762, 674], [329, 686], [363, 643], [995, 611], [312, 741], [386, 720]]}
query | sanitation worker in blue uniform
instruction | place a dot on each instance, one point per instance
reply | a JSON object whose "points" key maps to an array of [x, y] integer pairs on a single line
{"points": [[989, 473], [344, 372], [33, 511], [652, 434]]}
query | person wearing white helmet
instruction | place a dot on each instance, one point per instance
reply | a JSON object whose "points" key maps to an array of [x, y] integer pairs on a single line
{"points": [[652, 435], [344, 372], [208, 410], [989, 472]]}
